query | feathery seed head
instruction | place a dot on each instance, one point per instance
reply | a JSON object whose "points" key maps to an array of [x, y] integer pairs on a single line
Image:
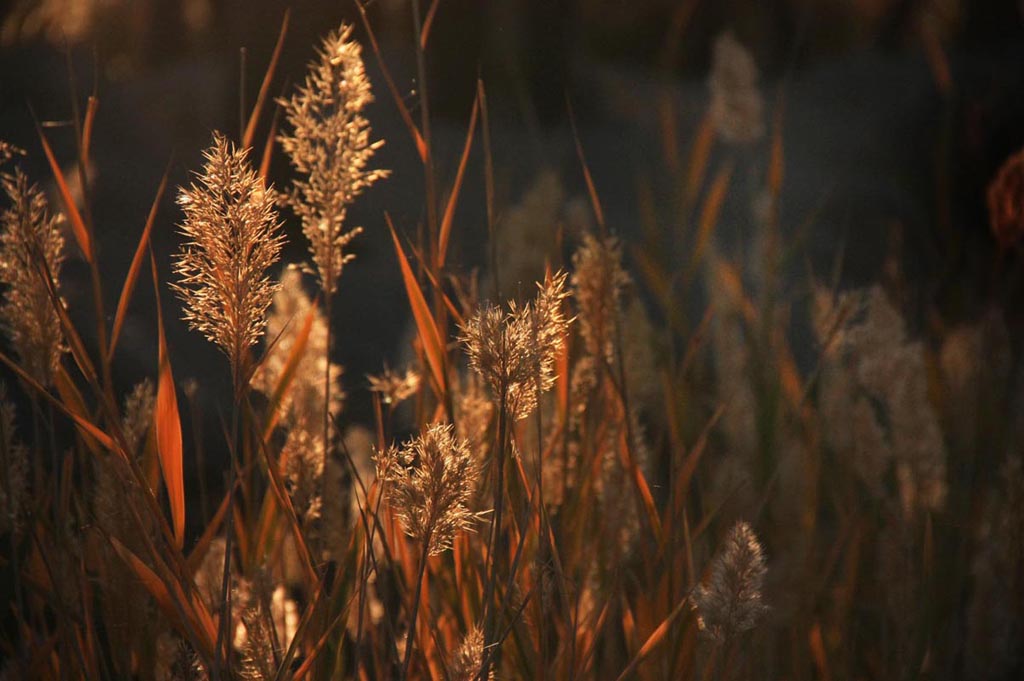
{"points": [[31, 249], [304, 401], [466, 661], [736, 104], [393, 386], [598, 283], [138, 413], [232, 237], [874, 397], [9, 151], [431, 484], [330, 146], [516, 351], [301, 409], [729, 602]]}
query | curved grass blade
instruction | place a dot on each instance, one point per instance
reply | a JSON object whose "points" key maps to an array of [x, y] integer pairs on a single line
{"points": [[78, 228], [261, 98], [133, 270], [167, 424], [427, 329], [449, 211]]}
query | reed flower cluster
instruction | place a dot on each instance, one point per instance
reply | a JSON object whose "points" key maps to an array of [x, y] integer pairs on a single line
{"points": [[515, 351], [729, 602], [737, 108], [598, 282], [395, 387], [9, 151], [468, 657], [874, 397], [330, 146], [301, 407], [31, 256], [430, 483], [232, 237]]}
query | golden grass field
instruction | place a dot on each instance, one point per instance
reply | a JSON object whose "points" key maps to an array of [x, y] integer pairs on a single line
{"points": [[607, 453]]}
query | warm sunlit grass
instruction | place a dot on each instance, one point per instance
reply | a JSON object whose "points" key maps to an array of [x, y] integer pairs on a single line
{"points": [[600, 486]]}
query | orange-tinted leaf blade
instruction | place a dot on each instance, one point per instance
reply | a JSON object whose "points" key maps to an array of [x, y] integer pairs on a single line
{"points": [[449, 211], [298, 349], [167, 425], [128, 289], [268, 77], [78, 228], [432, 345], [403, 110]]}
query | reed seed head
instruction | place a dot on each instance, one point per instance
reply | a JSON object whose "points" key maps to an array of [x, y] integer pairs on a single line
{"points": [[31, 256], [9, 151], [304, 401], [468, 657], [598, 284], [232, 237], [515, 351], [430, 486], [736, 105], [729, 602], [330, 146], [394, 387], [138, 413], [874, 397]]}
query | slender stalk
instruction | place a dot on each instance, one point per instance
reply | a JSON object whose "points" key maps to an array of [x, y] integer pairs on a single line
{"points": [[410, 639], [428, 170], [328, 300], [499, 494], [224, 630], [94, 268]]}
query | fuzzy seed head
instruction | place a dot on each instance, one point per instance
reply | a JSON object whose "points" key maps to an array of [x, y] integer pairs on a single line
{"points": [[138, 413], [304, 401], [598, 284], [466, 661], [31, 251], [395, 387], [232, 237], [736, 105], [729, 602], [330, 147], [515, 351], [430, 484]]}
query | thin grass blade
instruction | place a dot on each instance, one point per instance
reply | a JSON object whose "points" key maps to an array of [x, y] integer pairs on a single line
{"points": [[268, 77], [449, 211], [167, 424], [128, 289], [429, 335], [78, 228]]}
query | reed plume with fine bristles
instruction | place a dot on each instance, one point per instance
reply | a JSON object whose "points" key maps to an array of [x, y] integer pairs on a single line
{"points": [[468, 657], [430, 483], [598, 281], [730, 602], [394, 387], [515, 351], [304, 401], [232, 237], [330, 147], [31, 252], [736, 103], [618, 420]]}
